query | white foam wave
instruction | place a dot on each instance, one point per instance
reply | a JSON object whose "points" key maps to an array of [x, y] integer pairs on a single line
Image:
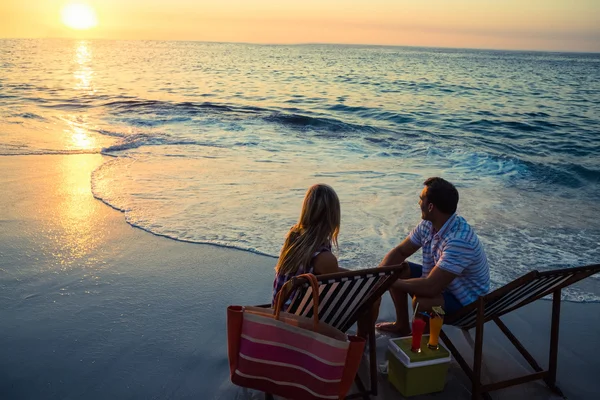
{"points": [[248, 197]]}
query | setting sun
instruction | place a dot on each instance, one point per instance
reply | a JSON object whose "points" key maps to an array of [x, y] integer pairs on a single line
{"points": [[79, 16]]}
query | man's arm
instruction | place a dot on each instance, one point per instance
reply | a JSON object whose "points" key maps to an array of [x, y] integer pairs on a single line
{"points": [[431, 286], [400, 253]]}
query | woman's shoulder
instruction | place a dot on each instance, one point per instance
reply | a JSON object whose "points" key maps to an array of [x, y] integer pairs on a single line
{"points": [[325, 263]]}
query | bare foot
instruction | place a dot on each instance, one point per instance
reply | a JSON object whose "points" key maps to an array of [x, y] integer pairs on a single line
{"points": [[392, 327]]}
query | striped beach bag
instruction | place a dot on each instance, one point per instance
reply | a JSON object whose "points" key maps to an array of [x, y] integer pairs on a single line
{"points": [[289, 355]]}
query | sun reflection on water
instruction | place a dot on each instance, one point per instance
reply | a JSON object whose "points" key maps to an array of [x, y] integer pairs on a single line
{"points": [[77, 212], [83, 73], [78, 134], [76, 129], [81, 139]]}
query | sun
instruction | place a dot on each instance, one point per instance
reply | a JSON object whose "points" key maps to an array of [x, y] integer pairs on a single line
{"points": [[79, 16]]}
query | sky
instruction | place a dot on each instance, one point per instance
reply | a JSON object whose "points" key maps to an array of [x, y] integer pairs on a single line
{"points": [[553, 25]]}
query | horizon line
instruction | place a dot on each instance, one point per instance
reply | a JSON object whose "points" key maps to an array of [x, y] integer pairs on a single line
{"points": [[311, 44]]}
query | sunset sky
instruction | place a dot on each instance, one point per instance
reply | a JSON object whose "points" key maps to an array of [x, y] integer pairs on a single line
{"points": [[571, 25]]}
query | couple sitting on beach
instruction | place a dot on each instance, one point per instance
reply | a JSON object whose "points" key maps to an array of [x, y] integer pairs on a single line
{"points": [[454, 272]]}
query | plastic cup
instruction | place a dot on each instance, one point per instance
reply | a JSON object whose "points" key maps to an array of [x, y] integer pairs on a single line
{"points": [[435, 326], [418, 326]]}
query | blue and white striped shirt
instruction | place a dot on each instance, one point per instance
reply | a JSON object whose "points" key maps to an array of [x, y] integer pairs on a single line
{"points": [[456, 249]]}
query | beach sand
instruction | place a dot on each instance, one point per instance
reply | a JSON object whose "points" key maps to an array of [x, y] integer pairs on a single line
{"points": [[93, 308]]}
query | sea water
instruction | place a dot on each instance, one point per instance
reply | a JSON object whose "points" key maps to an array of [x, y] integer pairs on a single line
{"points": [[217, 143]]}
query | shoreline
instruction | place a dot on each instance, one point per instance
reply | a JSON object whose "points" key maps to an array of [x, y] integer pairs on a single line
{"points": [[94, 307], [258, 253]]}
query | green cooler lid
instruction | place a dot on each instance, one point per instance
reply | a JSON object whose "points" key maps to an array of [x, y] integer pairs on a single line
{"points": [[426, 354]]}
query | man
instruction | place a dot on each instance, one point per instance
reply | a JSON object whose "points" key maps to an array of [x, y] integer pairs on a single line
{"points": [[455, 270]]}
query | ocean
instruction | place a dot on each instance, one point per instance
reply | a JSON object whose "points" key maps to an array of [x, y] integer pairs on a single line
{"points": [[217, 143]]}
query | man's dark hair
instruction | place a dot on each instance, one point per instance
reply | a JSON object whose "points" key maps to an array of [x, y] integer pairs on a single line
{"points": [[442, 194]]}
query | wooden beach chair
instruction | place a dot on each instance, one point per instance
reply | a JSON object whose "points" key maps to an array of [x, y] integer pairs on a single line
{"points": [[514, 295], [344, 297]]}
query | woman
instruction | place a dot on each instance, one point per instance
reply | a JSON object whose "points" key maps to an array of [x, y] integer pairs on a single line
{"points": [[308, 244]]}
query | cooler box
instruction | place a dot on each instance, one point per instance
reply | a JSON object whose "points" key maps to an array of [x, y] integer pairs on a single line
{"points": [[416, 373]]}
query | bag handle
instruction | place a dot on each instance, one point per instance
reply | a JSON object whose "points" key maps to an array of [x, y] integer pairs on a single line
{"points": [[286, 289]]}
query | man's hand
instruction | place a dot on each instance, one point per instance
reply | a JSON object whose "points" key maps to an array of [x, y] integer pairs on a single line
{"points": [[430, 286]]}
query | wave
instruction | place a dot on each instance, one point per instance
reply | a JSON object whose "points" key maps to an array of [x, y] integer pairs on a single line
{"points": [[44, 152], [518, 126], [289, 119], [67, 104], [373, 113], [569, 175], [188, 107], [500, 159], [304, 122], [134, 141], [29, 115], [509, 145]]}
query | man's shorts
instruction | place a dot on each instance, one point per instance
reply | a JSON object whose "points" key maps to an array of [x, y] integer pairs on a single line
{"points": [[451, 303]]}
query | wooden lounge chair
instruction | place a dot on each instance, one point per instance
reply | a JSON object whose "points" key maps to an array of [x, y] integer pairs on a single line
{"points": [[343, 298], [514, 295]]}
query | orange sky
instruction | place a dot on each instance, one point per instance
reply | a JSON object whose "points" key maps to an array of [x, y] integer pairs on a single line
{"points": [[571, 25]]}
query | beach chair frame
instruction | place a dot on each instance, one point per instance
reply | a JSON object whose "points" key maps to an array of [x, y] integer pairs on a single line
{"points": [[388, 276], [516, 294]]}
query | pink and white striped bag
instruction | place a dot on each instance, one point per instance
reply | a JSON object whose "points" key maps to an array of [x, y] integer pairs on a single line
{"points": [[288, 355]]}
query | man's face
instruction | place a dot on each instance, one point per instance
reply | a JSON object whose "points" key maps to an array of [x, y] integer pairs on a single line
{"points": [[424, 204]]}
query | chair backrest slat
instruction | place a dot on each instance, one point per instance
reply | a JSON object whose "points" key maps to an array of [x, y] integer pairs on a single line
{"points": [[345, 304], [547, 286], [339, 292], [344, 296], [522, 291], [517, 296], [359, 298], [327, 298], [497, 303]]}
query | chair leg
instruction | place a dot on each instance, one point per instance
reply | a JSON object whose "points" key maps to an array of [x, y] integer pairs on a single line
{"points": [[553, 357], [362, 390], [478, 356], [372, 358]]}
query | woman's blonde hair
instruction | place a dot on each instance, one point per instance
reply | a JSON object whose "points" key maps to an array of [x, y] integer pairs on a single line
{"points": [[318, 225]]}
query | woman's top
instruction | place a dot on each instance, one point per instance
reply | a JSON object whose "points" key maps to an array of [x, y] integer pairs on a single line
{"points": [[281, 279]]}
